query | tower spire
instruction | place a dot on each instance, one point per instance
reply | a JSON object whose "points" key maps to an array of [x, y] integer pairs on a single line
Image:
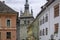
{"points": [[26, 5], [26, 1]]}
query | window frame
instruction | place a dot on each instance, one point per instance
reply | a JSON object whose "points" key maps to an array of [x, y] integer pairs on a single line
{"points": [[7, 36], [10, 22]]}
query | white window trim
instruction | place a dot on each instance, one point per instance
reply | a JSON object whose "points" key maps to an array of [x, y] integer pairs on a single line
{"points": [[10, 22]]}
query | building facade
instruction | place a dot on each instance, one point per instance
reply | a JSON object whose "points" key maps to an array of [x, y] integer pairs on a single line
{"points": [[8, 19], [30, 32], [33, 30], [49, 21], [25, 19], [18, 29], [36, 28]]}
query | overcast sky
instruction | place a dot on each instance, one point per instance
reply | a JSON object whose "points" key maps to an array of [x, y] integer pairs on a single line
{"points": [[18, 5]]}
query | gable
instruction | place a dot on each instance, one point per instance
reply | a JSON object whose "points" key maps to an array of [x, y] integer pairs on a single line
{"points": [[5, 8]]}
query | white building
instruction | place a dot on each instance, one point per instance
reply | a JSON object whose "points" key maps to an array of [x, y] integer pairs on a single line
{"points": [[49, 25]]}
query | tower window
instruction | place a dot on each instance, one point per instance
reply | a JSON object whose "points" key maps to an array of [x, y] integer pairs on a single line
{"points": [[8, 34], [24, 21], [28, 21]]}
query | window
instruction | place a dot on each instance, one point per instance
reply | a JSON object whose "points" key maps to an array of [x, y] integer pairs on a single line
{"points": [[46, 31], [43, 31], [56, 10], [0, 35], [46, 18], [43, 20], [56, 28], [40, 32], [24, 21], [28, 21], [8, 35], [8, 23]]}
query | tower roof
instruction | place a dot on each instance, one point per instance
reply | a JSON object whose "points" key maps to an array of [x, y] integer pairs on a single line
{"points": [[26, 1], [26, 11], [26, 5]]}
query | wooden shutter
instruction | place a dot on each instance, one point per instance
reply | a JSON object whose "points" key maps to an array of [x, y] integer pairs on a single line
{"points": [[56, 10], [56, 28]]}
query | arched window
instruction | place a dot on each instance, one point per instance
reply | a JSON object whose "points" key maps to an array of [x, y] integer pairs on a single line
{"points": [[8, 23]]}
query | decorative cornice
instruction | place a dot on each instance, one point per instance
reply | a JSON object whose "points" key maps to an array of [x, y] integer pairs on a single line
{"points": [[26, 17]]}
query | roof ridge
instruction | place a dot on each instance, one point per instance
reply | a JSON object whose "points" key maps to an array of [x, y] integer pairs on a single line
{"points": [[6, 8]]}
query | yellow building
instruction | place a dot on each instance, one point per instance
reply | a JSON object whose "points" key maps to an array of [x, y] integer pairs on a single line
{"points": [[30, 32], [36, 29], [33, 30]]}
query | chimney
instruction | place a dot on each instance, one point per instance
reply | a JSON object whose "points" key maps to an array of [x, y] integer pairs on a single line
{"points": [[43, 6]]}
